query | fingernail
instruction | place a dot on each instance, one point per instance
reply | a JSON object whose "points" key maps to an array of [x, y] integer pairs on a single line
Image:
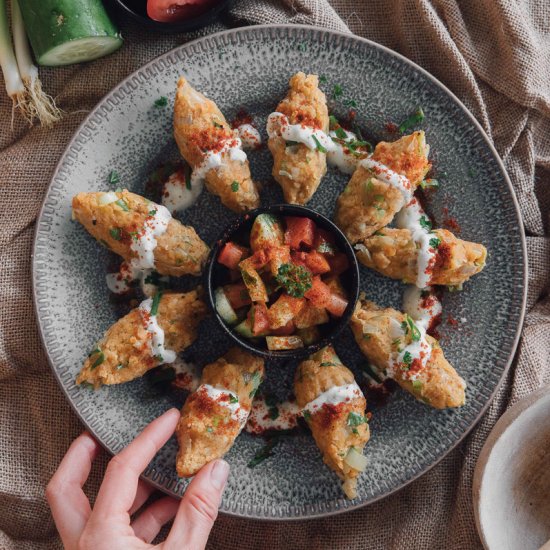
{"points": [[219, 473]]}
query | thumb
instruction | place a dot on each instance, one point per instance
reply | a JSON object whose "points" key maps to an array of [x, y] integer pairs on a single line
{"points": [[199, 507]]}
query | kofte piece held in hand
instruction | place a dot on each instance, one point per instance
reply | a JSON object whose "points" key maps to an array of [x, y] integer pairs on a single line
{"points": [[142, 232], [400, 348], [298, 139], [212, 149], [334, 408], [214, 415], [148, 336], [381, 185]]}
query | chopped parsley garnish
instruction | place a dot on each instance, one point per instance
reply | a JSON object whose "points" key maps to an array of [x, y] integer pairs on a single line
{"points": [[156, 302], [115, 233], [333, 122], [123, 204], [407, 360], [306, 415], [99, 359], [379, 198], [114, 178], [234, 186], [425, 223], [323, 79], [435, 242], [337, 91], [159, 358], [414, 119], [188, 179], [417, 385], [318, 144], [295, 279], [265, 452], [356, 419], [161, 102], [350, 103], [429, 183], [152, 212], [233, 399], [408, 325]]}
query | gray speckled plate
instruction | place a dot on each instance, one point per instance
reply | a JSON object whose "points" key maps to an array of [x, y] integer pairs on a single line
{"points": [[250, 68]]}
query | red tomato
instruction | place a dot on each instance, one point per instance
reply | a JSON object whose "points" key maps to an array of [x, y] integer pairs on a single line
{"points": [[175, 10], [337, 305], [237, 294], [338, 263], [231, 254], [319, 293], [312, 261], [287, 330], [258, 318], [299, 231]]}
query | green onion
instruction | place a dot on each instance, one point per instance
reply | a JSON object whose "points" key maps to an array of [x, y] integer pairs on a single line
{"points": [[115, 233], [417, 385], [340, 133], [306, 415], [407, 359], [99, 360], [265, 452], [350, 103], [234, 186], [328, 364], [323, 79], [356, 419], [156, 302], [425, 223], [152, 212], [429, 183], [114, 178], [417, 117], [435, 242], [123, 204], [233, 399], [161, 102], [318, 144], [333, 122]]}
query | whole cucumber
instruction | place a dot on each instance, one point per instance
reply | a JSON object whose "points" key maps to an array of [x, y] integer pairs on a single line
{"points": [[62, 32]]}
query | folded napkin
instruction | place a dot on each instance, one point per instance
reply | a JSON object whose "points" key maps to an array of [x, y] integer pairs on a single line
{"points": [[491, 53]]}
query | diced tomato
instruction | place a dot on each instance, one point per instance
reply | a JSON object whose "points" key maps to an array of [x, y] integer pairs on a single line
{"points": [[176, 10], [324, 242], [337, 305], [338, 263], [299, 231], [312, 261], [237, 294], [258, 318], [231, 254], [319, 294], [287, 330]]}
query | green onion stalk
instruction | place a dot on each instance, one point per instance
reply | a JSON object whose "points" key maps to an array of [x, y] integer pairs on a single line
{"points": [[20, 75]]}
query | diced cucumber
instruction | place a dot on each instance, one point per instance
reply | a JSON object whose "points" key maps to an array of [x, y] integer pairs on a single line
{"points": [[267, 230], [245, 329], [309, 335], [223, 307], [283, 342], [62, 32], [253, 282]]}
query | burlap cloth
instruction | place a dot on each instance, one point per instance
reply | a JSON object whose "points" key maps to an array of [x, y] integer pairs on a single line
{"points": [[494, 54]]}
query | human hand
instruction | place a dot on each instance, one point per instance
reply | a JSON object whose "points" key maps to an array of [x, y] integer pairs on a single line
{"points": [[122, 493]]}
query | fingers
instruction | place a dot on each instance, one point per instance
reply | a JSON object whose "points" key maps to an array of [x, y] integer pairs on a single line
{"points": [[148, 524], [118, 490], [143, 492], [199, 508], [69, 505]]}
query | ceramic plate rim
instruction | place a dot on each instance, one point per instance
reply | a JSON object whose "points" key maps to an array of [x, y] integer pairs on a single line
{"points": [[334, 34]]}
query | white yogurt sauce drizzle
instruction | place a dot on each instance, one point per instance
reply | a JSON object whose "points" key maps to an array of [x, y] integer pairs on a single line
{"points": [[156, 343], [334, 396], [250, 137], [176, 196], [279, 125], [423, 306], [260, 419], [119, 283], [387, 175], [409, 218], [232, 148], [187, 375], [224, 397], [339, 156]]}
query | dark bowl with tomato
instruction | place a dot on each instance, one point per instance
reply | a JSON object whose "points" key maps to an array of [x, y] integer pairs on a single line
{"points": [[173, 15], [282, 281]]}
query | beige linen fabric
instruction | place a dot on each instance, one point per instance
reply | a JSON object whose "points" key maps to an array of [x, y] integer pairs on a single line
{"points": [[494, 54]]}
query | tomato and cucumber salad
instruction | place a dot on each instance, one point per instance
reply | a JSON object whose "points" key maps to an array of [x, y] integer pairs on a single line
{"points": [[283, 282]]}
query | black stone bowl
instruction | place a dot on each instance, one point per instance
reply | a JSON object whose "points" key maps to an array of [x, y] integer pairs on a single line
{"points": [[137, 10], [216, 275]]}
